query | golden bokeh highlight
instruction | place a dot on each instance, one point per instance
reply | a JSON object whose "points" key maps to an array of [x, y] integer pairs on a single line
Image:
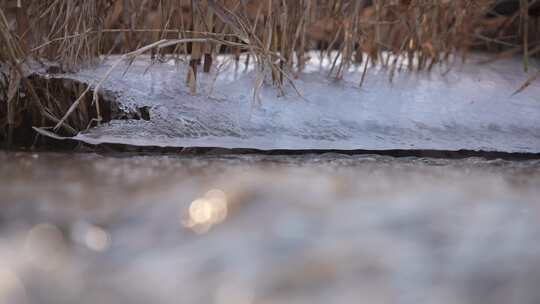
{"points": [[207, 211]]}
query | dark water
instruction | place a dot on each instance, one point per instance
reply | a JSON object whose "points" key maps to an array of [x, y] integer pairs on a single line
{"points": [[88, 228]]}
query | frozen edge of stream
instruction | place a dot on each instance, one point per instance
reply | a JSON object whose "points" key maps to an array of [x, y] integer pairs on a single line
{"points": [[469, 109]]}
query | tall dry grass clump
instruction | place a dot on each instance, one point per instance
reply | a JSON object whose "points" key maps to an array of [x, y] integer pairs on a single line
{"points": [[278, 36]]}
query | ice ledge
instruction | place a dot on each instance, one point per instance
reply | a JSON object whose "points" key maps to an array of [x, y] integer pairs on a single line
{"points": [[469, 108]]}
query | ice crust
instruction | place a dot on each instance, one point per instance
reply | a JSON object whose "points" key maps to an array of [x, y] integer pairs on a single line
{"points": [[469, 107]]}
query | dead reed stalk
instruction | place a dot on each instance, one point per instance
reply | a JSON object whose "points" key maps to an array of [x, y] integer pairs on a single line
{"points": [[276, 36]]}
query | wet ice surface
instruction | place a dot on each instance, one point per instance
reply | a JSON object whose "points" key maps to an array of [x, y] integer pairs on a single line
{"points": [[471, 107], [87, 228]]}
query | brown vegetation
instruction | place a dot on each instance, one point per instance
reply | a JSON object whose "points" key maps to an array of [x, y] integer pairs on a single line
{"points": [[277, 35]]}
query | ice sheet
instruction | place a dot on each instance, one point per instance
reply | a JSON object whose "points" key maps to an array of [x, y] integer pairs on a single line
{"points": [[470, 107]]}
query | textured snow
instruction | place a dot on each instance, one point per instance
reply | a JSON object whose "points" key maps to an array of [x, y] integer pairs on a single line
{"points": [[470, 107]]}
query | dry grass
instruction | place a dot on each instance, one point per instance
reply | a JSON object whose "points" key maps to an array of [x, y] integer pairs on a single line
{"points": [[276, 35]]}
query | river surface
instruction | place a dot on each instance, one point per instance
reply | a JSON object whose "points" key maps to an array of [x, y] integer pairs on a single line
{"points": [[326, 228]]}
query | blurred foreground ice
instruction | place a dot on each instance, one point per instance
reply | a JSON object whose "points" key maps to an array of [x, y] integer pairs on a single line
{"points": [[84, 228]]}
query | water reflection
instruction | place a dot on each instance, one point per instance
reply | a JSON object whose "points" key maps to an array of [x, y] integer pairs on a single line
{"points": [[91, 236], [44, 247], [97, 239], [234, 291], [11, 287], [319, 229], [207, 211]]}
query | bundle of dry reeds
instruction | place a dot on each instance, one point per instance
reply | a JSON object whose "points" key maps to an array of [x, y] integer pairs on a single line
{"points": [[75, 31], [277, 36]]}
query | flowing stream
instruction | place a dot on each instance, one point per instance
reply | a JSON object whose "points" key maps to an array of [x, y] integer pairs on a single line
{"points": [[320, 228]]}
